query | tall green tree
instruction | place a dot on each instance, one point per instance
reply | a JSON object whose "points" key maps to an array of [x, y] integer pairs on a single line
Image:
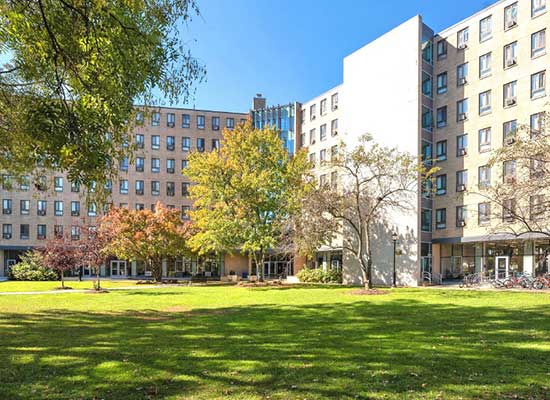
{"points": [[74, 70], [245, 193]]}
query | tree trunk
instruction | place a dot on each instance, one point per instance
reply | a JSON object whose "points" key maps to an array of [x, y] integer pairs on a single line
{"points": [[369, 272], [156, 267], [98, 286], [262, 258], [62, 280]]}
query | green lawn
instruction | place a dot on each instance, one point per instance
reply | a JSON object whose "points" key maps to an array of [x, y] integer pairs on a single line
{"points": [[298, 343], [21, 286]]}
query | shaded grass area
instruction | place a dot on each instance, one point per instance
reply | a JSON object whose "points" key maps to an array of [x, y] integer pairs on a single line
{"points": [[39, 286], [302, 343]]}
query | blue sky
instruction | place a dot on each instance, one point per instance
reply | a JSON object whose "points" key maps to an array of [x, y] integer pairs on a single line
{"points": [[293, 49]]}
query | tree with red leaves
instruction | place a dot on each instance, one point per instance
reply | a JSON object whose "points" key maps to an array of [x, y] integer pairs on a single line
{"points": [[146, 235], [92, 250], [61, 254]]}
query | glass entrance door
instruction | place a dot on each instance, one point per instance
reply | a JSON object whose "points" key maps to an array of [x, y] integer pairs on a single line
{"points": [[501, 270], [118, 269]]}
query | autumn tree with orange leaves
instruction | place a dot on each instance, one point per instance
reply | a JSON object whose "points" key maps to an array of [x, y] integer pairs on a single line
{"points": [[146, 235]]}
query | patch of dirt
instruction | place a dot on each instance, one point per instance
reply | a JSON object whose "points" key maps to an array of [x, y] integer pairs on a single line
{"points": [[175, 309], [368, 292], [260, 284], [63, 288], [100, 291]]}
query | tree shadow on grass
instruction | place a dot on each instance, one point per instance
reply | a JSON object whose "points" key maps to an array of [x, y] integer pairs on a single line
{"points": [[400, 349]]}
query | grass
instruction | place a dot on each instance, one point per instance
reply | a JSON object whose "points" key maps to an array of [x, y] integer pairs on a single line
{"points": [[268, 343], [21, 286]]}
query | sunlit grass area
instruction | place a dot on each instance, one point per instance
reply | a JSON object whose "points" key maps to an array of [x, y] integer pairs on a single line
{"points": [[276, 343], [27, 286]]}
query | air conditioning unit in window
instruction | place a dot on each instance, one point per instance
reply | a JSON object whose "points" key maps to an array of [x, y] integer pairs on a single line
{"points": [[462, 152], [170, 170], [75, 213], [461, 188], [461, 224], [6, 211], [462, 81], [335, 107], [509, 140], [462, 46], [511, 23], [510, 179], [313, 117], [7, 235], [139, 192], [335, 132], [41, 212], [41, 237], [511, 62], [510, 101], [462, 117]]}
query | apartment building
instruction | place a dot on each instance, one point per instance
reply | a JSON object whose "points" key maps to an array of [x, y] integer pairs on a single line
{"points": [[32, 214], [489, 78]]}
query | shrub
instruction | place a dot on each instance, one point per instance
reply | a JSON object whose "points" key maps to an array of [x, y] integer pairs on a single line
{"points": [[309, 275], [30, 268]]}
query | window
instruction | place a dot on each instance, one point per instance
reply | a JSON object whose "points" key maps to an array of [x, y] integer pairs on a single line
{"points": [[24, 231], [75, 232], [426, 84], [442, 83], [334, 179], [185, 121], [140, 187], [58, 184], [200, 121], [442, 49], [312, 136], [6, 182], [334, 101], [41, 207], [200, 145], [536, 207], [323, 155], [509, 130], [538, 84], [170, 143], [215, 144], [75, 208], [441, 150], [215, 123], [312, 112], [483, 213], [538, 7], [510, 55], [140, 141], [485, 29], [462, 110], [155, 188], [323, 107], [509, 171], [426, 151], [170, 165], [140, 206], [484, 140], [462, 74], [323, 132], [508, 209], [41, 183], [185, 189], [170, 120], [170, 189], [485, 65], [538, 43], [24, 207], [461, 216], [230, 123], [58, 231], [184, 164], [461, 145], [427, 51], [155, 142], [155, 165], [92, 210], [123, 186], [484, 176], [155, 119], [426, 220], [312, 158], [7, 231], [441, 184], [334, 152], [441, 117], [6, 206], [140, 164], [485, 102], [511, 16], [124, 164], [186, 144], [108, 186], [461, 180], [462, 38], [537, 123], [441, 218], [427, 118], [25, 183], [185, 212], [302, 139], [58, 208], [510, 91], [41, 231], [334, 127]]}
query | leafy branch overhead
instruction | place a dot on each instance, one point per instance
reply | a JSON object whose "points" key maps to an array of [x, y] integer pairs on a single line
{"points": [[75, 70]]}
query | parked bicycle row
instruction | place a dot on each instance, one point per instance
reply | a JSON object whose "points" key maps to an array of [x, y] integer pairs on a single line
{"points": [[519, 280]]}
